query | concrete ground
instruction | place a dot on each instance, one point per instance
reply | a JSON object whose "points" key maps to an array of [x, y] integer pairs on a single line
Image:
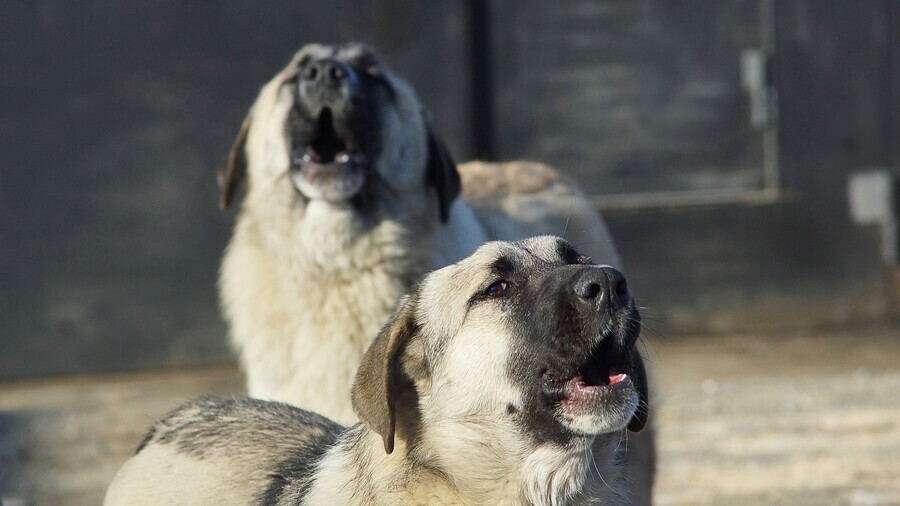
{"points": [[801, 418]]}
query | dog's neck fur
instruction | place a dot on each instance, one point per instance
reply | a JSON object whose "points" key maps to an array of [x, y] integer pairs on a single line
{"points": [[358, 471], [325, 288]]}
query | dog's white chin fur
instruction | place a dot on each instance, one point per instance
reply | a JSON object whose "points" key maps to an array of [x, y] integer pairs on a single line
{"points": [[599, 421], [335, 189]]}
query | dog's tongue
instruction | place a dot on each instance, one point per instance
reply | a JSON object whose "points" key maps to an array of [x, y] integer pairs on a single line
{"points": [[577, 389], [616, 378]]}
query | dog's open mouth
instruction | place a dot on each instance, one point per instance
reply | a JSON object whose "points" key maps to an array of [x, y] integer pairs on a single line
{"points": [[328, 166], [605, 372], [326, 146]]}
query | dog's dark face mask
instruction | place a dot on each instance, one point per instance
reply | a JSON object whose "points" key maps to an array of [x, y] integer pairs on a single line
{"points": [[577, 359], [336, 123], [574, 328]]}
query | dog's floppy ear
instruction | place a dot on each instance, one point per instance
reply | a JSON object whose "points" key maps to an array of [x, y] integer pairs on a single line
{"points": [[236, 169], [375, 388], [639, 377], [441, 173]]}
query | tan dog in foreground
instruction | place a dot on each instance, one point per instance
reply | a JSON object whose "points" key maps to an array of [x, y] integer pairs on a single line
{"points": [[507, 378], [351, 198]]}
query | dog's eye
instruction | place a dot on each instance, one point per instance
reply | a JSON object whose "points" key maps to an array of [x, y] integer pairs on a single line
{"points": [[497, 289]]}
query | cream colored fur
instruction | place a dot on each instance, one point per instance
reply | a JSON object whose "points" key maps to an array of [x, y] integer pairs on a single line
{"points": [[456, 442], [304, 286], [584, 474]]}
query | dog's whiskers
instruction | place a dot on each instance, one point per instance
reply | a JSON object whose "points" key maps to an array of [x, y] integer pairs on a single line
{"points": [[593, 462], [569, 217], [587, 243]]}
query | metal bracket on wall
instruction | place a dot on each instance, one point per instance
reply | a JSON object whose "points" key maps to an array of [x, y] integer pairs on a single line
{"points": [[872, 199]]}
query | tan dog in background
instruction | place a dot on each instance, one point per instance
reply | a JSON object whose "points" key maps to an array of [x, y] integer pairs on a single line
{"points": [[351, 198], [507, 378]]}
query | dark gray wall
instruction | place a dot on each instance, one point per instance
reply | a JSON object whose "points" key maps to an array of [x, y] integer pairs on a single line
{"points": [[799, 262], [629, 97], [114, 115], [633, 97]]}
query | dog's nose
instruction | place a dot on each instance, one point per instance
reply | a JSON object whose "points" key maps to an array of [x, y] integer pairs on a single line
{"points": [[327, 73], [603, 286]]}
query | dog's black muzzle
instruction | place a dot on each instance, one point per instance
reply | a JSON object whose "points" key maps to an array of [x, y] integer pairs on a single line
{"points": [[596, 326], [581, 350], [334, 129], [593, 304]]}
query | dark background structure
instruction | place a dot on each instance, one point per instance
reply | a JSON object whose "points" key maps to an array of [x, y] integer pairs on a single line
{"points": [[724, 183]]}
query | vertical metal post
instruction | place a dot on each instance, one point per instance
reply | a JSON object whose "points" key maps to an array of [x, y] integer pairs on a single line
{"points": [[481, 89], [767, 25]]}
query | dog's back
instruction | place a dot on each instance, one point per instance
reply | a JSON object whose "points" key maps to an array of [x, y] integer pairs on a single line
{"points": [[223, 451], [519, 199]]}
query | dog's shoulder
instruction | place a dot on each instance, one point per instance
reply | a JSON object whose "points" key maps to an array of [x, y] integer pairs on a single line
{"points": [[517, 199], [483, 182]]}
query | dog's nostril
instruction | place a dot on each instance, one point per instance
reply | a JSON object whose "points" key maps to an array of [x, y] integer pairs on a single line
{"points": [[588, 290], [618, 287], [605, 286], [327, 73], [622, 289]]}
